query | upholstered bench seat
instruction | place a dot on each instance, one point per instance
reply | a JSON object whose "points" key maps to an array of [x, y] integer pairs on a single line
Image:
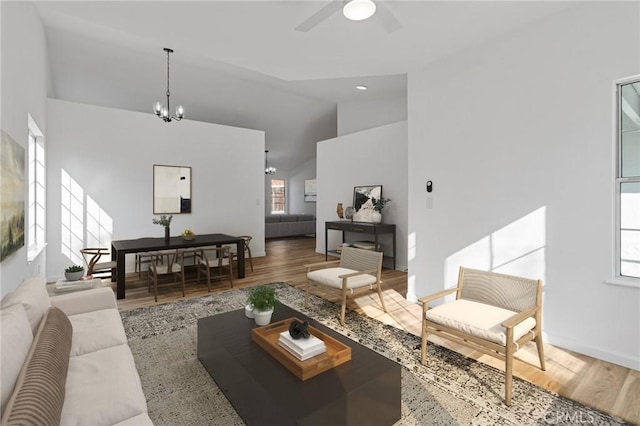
{"points": [[479, 320], [332, 277]]}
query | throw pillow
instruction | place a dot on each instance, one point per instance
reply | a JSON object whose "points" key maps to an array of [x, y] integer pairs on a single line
{"points": [[32, 294], [39, 393], [15, 340]]}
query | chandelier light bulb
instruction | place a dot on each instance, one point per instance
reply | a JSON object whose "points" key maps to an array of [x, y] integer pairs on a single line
{"points": [[359, 10]]}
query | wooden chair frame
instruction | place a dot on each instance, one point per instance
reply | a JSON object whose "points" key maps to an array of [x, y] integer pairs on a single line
{"points": [[92, 255], [345, 290], [504, 353], [174, 259], [204, 263]]}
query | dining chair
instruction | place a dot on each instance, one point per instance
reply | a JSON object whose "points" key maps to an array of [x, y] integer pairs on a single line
{"points": [[247, 250], [213, 261], [92, 255], [174, 265]]}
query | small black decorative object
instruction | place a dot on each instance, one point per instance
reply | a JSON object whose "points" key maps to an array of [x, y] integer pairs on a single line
{"points": [[298, 329]]}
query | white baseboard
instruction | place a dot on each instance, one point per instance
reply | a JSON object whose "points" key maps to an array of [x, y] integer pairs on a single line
{"points": [[625, 360]]}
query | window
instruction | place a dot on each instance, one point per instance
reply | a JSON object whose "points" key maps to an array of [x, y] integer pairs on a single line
{"points": [[628, 179], [277, 196], [36, 193]]}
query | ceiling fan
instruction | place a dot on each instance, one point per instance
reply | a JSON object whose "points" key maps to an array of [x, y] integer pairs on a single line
{"points": [[361, 8]]}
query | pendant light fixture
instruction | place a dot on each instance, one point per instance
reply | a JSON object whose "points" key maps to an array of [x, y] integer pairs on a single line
{"points": [[160, 110], [268, 170], [358, 10]]}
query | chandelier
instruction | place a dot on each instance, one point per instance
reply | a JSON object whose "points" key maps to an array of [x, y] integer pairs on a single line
{"points": [[160, 110], [268, 170]]}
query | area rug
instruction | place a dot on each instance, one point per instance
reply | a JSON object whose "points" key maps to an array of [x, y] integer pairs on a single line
{"points": [[452, 389]]}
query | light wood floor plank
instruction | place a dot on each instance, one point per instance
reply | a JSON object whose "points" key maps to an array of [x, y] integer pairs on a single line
{"points": [[605, 386]]}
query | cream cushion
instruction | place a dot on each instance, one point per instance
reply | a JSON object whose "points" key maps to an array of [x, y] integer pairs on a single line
{"points": [[96, 330], [331, 277], [479, 320], [32, 294], [103, 388], [15, 340], [139, 420]]}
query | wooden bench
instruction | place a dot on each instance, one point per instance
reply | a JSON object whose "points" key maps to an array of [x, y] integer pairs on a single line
{"points": [[493, 313]]}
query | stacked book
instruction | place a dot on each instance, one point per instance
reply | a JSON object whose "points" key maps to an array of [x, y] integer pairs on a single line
{"points": [[367, 245], [64, 285], [302, 349]]}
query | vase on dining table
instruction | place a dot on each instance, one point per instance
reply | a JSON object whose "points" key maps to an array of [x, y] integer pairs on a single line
{"points": [[167, 234]]}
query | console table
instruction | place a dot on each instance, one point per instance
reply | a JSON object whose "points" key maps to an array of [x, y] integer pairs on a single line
{"points": [[374, 229]]}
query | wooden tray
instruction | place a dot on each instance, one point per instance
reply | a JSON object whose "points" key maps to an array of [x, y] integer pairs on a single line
{"points": [[267, 338]]}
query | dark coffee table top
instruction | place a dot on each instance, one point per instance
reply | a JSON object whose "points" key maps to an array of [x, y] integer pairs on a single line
{"points": [[365, 390]]}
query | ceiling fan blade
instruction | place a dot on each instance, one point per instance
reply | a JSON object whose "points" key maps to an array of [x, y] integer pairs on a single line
{"points": [[319, 16], [387, 19]]}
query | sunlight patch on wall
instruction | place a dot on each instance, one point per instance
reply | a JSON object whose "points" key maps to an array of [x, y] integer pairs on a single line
{"points": [[518, 249], [411, 246], [99, 225], [72, 214]]}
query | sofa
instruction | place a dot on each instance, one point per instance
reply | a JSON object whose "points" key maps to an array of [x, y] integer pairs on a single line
{"points": [[65, 360], [289, 225]]}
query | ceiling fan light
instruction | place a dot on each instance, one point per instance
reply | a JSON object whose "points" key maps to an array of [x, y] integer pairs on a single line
{"points": [[358, 10]]}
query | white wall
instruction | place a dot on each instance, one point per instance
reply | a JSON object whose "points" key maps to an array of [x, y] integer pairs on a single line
{"points": [[297, 177], [26, 84], [517, 139], [110, 153], [356, 116], [372, 157]]}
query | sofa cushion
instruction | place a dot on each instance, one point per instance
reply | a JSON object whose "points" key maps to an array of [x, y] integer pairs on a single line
{"points": [[115, 390], [478, 319], [305, 217], [96, 330], [329, 277], [139, 420], [40, 390], [272, 219], [15, 340], [32, 294]]}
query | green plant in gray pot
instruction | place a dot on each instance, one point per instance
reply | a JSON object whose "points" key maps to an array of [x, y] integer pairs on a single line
{"points": [[74, 272], [263, 299]]}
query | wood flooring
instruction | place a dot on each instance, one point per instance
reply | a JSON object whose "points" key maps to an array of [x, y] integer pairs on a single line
{"points": [[599, 384]]}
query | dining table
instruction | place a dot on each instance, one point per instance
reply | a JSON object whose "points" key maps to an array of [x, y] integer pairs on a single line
{"points": [[120, 248]]}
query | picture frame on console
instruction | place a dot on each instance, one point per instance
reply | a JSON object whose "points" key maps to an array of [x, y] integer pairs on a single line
{"points": [[364, 196]]}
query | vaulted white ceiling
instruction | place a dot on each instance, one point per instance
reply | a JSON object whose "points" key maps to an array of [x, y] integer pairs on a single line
{"points": [[235, 59]]}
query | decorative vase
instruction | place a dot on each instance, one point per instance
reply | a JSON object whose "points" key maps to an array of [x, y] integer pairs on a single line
{"points": [[348, 213], [167, 233], [376, 217], [248, 311], [262, 317], [340, 211]]}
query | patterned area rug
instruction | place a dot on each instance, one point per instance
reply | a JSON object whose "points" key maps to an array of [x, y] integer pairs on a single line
{"points": [[452, 389]]}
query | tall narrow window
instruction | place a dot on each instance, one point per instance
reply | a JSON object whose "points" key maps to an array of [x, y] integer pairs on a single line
{"points": [[37, 191], [628, 180], [277, 196]]}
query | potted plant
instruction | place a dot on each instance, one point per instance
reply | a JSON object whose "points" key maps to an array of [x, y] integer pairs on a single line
{"points": [[378, 205], [263, 299], [166, 222], [74, 272]]}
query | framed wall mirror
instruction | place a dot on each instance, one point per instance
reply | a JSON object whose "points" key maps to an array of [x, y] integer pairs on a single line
{"points": [[171, 189]]}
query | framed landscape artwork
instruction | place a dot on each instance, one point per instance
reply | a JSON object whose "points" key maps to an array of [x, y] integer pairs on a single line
{"points": [[11, 196], [364, 196]]}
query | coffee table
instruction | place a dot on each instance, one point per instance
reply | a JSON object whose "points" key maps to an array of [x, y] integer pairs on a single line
{"points": [[365, 390]]}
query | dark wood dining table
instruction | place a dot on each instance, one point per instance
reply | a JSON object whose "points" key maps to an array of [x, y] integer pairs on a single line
{"points": [[121, 248]]}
